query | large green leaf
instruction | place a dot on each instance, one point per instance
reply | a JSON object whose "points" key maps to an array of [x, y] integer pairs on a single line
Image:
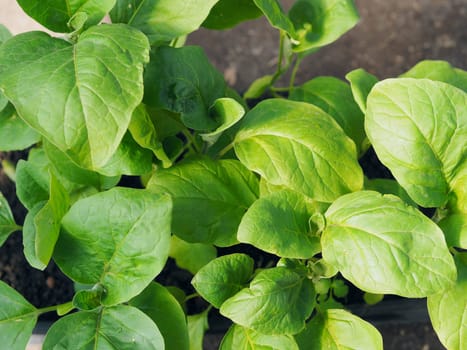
{"points": [[361, 83], [162, 307], [223, 277], [162, 20], [15, 134], [120, 239], [191, 256], [241, 338], [321, 22], [337, 329], [278, 301], [57, 14], [383, 245], [418, 129], [279, 223], [297, 145], [228, 13], [197, 326], [118, 327], [80, 97], [7, 221], [17, 318], [276, 16], [182, 80], [335, 98], [224, 189], [438, 71], [448, 310]]}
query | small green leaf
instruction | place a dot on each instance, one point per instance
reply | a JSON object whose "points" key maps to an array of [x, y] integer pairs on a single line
{"points": [[418, 130], [191, 256], [89, 299], [29, 237], [372, 299], [228, 13], [223, 277], [258, 87], [438, 71], [80, 97], [334, 97], [120, 239], [279, 224], [241, 338], [319, 23], [448, 310], [15, 134], [454, 227], [224, 189], [157, 302], [182, 80], [227, 112], [273, 11], [361, 83], [383, 245], [336, 329], [162, 20], [7, 221], [277, 302], [299, 146], [4, 34], [17, 318], [197, 326], [118, 327]]}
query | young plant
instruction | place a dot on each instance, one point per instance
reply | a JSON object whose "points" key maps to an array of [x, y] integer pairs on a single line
{"points": [[128, 99]]}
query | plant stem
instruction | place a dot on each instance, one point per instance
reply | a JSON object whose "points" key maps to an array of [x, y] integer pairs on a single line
{"points": [[9, 169], [226, 149], [191, 296], [294, 71], [54, 308]]}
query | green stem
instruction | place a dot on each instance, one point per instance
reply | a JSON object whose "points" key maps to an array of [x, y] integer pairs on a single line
{"points": [[226, 149], [294, 72], [54, 308], [9, 169], [191, 296], [192, 141]]}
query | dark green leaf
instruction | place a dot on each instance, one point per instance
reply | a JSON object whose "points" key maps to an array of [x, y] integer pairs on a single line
{"points": [[223, 277], [418, 130], [15, 134], [17, 319], [334, 97], [120, 239], [361, 83], [224, 189], [277, 302], [279, 224], [228, 13], [337, 329], [182, 80], [383, 245], [118, 327], [7, 222], [80, 97], [297, 145], [162, 20], [56, 14], [157, 302], [191, 256]]}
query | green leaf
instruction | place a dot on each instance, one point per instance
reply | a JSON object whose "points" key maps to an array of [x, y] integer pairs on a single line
{"points": [[191, 256], [80, 97], [162, 20], [319, 23], [120, 239], [336, 329], [361, 83], [4, 36], [228, 13], [118, 327], [56, 14], [223, 277], [197, 326], [225, 189], [227, 112], [29, 236], [182, 80], [438, 71], [418, 129], [388, 186], [454, 227], [299, 146], [157, 302], [448, 310], [279, 224], [89, 299], [17, 318], [258, 87], [372, 299], [144, 133], [334, 97], [273, 11], [241, 338], [15, 134], [7, 221], [383, 245], [277, 302]]}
